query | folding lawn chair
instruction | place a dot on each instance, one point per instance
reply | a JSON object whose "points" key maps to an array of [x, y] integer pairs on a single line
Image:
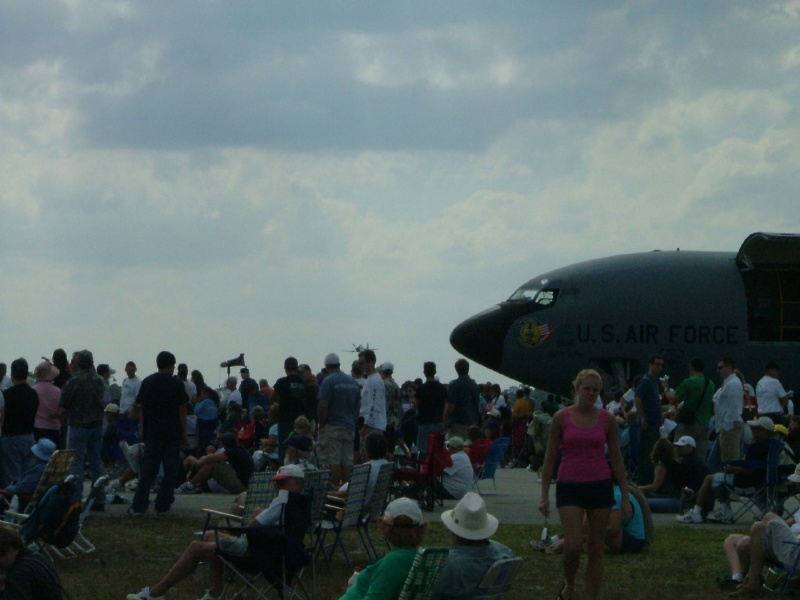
{"points": [[423, 574], [374, 508], [57, 470], [762, 498], [493, 460], [421, 475], [55, 521], [260, 493], [498, 579], [82, 543], [341, 518], [276, 556], [315, 485]]}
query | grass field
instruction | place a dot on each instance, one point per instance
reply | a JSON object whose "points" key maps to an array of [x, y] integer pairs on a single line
{"points": [[132, 553]]}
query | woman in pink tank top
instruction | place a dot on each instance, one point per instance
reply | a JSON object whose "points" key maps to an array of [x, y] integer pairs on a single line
{"points": [[584, 491]]}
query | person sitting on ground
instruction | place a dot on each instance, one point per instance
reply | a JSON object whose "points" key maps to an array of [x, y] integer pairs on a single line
{"points": [[746, 554], [26, 485], [692, 469], [404, 528], [457, 479], [623, 536], [302, 426], [289, 479], [300, 451], [28, 575], [664, 494], [737, 476], [256, 428], [472, 552], [266, 457], [227, 470]]}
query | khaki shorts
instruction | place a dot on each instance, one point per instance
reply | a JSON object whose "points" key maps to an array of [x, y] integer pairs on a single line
{"points": [[730, 442], [335, 446], [234, 545], [224, 475]]}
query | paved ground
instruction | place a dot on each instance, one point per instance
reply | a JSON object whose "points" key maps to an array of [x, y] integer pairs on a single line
{"points": [[514, 502]]}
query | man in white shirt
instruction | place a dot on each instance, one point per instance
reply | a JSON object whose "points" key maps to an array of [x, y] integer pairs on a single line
{"points": [[727, 417], [458, 478], [373, 398], [183, 375], [288, 479], [130, 388], [771, 397]]}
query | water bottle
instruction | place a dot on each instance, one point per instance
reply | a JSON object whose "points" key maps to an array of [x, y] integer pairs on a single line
{"points": [[352, 581]]}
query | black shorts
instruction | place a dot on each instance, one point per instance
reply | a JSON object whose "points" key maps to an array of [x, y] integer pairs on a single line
{"points": [[589, 496]]}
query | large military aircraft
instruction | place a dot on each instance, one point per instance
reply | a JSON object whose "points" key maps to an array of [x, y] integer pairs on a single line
{"points": [[611, 313]]}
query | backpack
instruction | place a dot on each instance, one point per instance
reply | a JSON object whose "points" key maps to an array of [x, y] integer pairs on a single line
{"points": [[56, 518]]}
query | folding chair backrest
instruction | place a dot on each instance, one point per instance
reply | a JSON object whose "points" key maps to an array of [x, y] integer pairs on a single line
{"points": [[494, 458], [56, 471], [356, 495], [297, 517], [423, 574], [441, 458], [315, 486], [377, 503], [773, 461], [261, 492], [498, 579]]}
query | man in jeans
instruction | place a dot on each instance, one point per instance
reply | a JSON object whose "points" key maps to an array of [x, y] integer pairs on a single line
{"points": [[162, 399], [648, 409], [82, 397]]}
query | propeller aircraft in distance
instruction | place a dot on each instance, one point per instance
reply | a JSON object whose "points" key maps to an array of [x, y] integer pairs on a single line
{"points": [[358, 348], [611, 313]]}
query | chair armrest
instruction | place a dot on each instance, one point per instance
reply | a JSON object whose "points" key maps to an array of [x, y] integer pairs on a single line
{"points": [[219, 513], [17, 515]]}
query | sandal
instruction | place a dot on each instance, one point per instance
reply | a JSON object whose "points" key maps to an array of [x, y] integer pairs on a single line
{"points": [[561, 593]]}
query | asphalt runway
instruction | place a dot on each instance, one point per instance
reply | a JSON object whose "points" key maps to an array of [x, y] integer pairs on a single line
{"points": [[514, 502]]}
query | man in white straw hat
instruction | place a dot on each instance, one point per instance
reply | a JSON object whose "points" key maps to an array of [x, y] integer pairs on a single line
{"points": [[472, 552]]}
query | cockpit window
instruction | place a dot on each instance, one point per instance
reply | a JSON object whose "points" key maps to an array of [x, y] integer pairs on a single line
{"points": [[542, 297]]}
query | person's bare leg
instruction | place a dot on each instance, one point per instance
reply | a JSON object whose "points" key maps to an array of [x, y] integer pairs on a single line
{"points": [[752, 581], [194, 553], [704, 493], [598, 523], [731, 547], [203, 474], [572, 530]]}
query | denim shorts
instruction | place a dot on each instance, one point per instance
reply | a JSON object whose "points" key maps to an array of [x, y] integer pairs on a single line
{"points": [[588, 496]]}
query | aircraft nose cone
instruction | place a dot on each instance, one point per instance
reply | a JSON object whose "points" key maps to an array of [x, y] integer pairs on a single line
{"points": [[480, 338]]}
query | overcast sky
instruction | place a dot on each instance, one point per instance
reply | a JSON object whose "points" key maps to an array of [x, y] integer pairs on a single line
{"points": [[292, 178]]}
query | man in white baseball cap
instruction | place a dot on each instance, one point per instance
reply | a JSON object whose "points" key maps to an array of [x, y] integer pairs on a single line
{"points": [[472, 552]]}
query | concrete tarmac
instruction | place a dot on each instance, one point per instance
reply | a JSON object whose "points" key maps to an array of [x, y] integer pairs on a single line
{"points": [[514, 502]]}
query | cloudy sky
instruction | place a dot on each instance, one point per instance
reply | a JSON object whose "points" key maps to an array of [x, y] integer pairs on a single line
{"points": [[282, 178]]}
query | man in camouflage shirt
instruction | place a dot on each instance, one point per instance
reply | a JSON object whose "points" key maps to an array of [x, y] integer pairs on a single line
{"points": [[394, 403]]}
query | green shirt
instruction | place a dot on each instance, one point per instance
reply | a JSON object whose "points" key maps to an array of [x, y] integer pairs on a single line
{"points": [[383, 580], [690, 392]]}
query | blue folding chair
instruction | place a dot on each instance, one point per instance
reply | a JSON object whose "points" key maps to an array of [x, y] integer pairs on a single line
{"points": [[492, 462]]}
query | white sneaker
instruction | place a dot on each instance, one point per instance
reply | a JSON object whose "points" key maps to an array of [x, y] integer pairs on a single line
{"points": [[689, 517], [144, 595], [721, 516], [132, 485], [189, 488], [208, 596]]}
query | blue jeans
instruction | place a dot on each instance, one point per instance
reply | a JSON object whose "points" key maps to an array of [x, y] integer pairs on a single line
{"points": [[156, 452], [647, 439], [423, 431], [662, 504], [87, 442], [17, 455]]}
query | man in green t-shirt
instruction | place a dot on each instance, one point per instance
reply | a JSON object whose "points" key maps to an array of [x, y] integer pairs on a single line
{"points": [[694, 401]]}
